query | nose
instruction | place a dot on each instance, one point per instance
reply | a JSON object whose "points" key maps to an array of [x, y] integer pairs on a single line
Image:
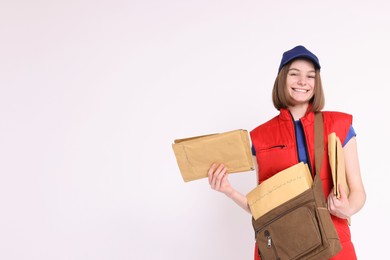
{"points": [[302, 81]]}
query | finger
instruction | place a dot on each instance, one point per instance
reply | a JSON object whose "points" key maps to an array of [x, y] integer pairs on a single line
{"points": [[343, 194], [220, 167], [219, 173], [216, 172], [225, 177], [214, 176], [331, 202], [219, 178], [210, 173]]}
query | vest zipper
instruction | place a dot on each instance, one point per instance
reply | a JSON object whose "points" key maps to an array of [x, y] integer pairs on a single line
{"points": [[296, 144], [295, 135], [281, 146], [307, 152]]}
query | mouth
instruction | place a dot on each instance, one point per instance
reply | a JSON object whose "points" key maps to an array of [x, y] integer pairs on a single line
{"points": [[300, 90]]}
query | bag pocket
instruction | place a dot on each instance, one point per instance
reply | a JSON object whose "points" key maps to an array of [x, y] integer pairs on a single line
{"points": [[290, 231], [297, 231]]}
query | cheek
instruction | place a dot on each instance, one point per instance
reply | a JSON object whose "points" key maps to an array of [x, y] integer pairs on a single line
{"points": [[289, 82], [311, 93], [313, 88]]}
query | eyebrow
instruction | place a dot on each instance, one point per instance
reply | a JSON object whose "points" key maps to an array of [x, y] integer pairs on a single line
{"points": [[299, 70]]}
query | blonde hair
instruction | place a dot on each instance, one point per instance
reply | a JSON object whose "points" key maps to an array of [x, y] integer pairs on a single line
{"points": [[281, 98]]}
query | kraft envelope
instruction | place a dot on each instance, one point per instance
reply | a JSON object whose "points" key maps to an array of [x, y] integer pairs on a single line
{"points": [[195, 155], [337, 164], [279, 188]]}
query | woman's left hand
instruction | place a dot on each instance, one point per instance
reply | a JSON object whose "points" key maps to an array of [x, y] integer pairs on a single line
{"points": [[339, 206]]}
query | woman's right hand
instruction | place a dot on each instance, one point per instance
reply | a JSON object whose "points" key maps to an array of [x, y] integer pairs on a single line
{"points": [[218, 179]]}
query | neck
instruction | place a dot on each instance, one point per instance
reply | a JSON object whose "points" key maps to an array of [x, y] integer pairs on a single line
{"points": [[298, 111]]}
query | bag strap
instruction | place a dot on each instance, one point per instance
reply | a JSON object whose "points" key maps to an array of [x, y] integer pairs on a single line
{"points": [[318, 141], [318, 157]]}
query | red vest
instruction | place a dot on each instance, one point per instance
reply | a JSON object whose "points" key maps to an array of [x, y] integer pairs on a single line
{"points": [[276, 149]]}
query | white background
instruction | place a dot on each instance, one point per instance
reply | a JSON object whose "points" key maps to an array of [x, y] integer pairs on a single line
{"points": [[93, 93]]}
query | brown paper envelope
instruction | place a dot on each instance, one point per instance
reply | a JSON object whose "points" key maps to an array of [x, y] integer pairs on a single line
{"points": [[195, 155], [279, 188], [337, 164]]}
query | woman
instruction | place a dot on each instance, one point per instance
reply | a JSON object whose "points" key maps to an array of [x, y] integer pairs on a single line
{"points": [[288, 139]]}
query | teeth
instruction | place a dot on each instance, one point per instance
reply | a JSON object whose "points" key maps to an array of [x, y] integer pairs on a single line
{"points": [[300, 90]]}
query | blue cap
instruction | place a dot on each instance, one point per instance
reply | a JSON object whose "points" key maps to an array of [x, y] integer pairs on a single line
{"points": [[299, 52]]}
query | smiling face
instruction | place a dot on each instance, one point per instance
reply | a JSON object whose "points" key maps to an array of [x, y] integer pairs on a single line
{"points": [[297, 84], [300, 82]]}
